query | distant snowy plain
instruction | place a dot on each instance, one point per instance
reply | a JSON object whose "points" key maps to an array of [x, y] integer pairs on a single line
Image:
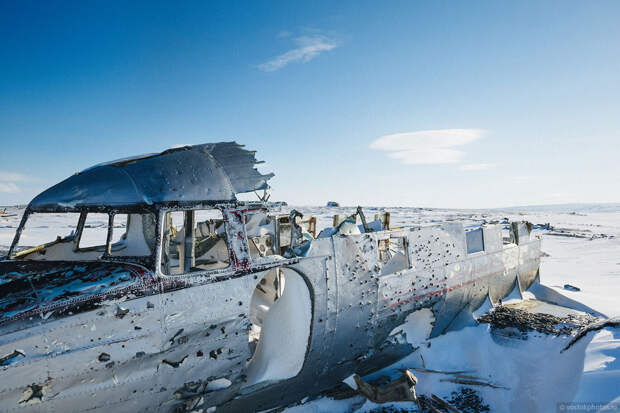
{"points": [[583, 250]]}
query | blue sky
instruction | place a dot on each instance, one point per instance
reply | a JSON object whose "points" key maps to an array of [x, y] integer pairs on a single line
{"points": [[440, 104]]}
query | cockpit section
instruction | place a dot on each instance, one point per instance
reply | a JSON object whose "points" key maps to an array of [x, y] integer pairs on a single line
{"points": [[84, 236]]}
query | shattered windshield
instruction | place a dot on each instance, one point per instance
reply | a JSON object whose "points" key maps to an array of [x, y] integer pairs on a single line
{"points": [[45, 229]]}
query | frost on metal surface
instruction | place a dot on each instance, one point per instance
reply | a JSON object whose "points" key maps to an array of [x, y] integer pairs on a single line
{"points": [[208, 172]]}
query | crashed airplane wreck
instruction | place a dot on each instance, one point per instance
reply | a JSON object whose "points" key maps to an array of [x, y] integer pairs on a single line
{"points": [[194, 299]]}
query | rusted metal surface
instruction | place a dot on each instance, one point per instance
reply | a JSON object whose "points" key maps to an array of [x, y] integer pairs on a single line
{"points": [[122, 336]]}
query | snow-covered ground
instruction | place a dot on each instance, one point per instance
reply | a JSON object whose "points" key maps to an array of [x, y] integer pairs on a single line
{"points": [[583, 250]]}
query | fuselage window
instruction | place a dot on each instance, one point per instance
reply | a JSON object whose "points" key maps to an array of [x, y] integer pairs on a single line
{"points": [[393, 254], [305, 229], [475, 240], [193, 241]]}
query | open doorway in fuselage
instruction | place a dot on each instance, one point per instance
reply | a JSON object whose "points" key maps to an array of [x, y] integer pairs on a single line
{"points": [[280, 317]]}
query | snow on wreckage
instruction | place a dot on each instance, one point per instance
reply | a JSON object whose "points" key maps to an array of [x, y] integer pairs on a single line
{"points": [[191, 299]]}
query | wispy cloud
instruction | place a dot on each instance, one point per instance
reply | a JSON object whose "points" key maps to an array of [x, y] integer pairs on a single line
{"points": [[8, 187], [477, 166], [427, 146], [308, 47], [8, 181], [14, 177]]}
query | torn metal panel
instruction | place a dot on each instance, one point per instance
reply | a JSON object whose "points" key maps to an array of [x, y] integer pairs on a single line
{"points": [[209, 172]]}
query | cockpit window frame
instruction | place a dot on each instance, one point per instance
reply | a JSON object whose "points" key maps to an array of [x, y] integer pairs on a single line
{"points": [[161, 218], [148, 261]]}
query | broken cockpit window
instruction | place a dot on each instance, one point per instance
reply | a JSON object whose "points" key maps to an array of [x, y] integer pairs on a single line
{"points": [[86, 236], [304, 229], [133, 235], [39, 242], [194, 241]]}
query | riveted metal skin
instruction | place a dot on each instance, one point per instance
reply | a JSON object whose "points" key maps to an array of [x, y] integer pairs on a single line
{"points": [[116, 334], [139, 340]]}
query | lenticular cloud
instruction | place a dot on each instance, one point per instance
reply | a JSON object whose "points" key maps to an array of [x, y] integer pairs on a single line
{"points": [[427, 146]]}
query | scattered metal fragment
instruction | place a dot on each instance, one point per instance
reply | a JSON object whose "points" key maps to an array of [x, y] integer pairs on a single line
{"points": [[444, 404], [467, 377], [441, 372], [474, 383], [598, 325], [401, 389], [427, 405]]}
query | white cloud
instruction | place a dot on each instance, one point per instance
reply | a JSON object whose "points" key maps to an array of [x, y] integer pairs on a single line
{"points": [[14, 177], [477, 166], [8, 179], [8, 187], [308, 47], [427, 146]]}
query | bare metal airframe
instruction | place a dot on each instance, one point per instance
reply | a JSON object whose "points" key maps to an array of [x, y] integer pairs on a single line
{"points": [[194, 298]]}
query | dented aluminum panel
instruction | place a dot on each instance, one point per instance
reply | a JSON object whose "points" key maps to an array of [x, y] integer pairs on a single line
{"points": [[287, 316], [209, 172]]}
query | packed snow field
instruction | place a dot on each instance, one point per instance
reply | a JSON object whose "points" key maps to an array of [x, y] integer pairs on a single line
{"points": [[582, 249]]}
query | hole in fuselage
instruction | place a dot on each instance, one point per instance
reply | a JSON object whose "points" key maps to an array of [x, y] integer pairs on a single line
{"points": [[268, 290], [280, 317]]}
